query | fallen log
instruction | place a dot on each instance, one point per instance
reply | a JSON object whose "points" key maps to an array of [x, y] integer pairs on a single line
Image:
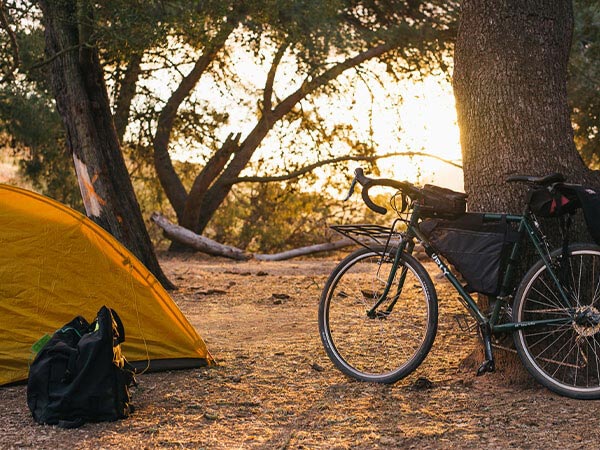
{"points": [[308, 250], [196, 241], [205, 245]]}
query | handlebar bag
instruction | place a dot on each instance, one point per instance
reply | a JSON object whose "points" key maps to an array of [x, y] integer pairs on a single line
{"points": [[474, 246], [438, 202]]}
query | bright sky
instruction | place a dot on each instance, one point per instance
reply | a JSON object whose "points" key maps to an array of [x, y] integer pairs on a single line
{"points": [[428, 121]]}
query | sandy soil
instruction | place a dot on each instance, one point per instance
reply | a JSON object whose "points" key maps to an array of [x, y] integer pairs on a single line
{"points": [[275, 388]]}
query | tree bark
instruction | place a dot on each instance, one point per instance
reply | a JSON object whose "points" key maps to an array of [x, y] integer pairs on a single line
{"points": [[510, 70], [82, 101], [510, 88], [126, 93]]}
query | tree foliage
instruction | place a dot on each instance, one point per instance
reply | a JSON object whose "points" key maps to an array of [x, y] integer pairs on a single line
{"points": [[584, 80], [303, 49], [272, 217]]}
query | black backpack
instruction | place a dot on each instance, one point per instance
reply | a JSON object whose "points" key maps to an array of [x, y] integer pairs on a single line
{"points": [[80, 374]]}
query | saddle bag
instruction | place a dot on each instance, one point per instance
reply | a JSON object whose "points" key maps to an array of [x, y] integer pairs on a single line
{"points": [[474, 246], [563, 198], [553, 201], [80, 374]]}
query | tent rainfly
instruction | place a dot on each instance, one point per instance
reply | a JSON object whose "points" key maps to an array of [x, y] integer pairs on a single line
{"points": [[56, 264]]}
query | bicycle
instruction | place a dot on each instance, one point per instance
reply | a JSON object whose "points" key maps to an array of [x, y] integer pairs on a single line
{"points": [[378, 311]]}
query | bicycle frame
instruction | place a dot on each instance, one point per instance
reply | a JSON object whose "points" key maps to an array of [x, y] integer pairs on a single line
{"points": [[491, 323]]}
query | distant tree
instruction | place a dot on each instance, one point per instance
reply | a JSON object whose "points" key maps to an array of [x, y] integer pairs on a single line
{"points": [[82, 101]]}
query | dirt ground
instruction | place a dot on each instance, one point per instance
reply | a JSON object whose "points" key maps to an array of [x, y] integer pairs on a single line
{"points": [[275, 388]]}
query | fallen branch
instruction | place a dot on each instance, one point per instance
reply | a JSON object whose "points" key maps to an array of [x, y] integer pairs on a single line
{"points": [[309, 250], [205, 245], [197, 242]]}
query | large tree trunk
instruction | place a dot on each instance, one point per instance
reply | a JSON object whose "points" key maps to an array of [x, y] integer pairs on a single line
{"points": [[511, 98], [510, 88], [82, 101]]}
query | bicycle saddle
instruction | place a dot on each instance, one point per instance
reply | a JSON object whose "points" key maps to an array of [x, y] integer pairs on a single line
{"points": [[542, 181]]}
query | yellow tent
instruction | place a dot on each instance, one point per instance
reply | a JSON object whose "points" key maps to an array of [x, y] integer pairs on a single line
{"points": [[56, 264]]}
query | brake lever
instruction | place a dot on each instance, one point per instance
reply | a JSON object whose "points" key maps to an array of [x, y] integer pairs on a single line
{"points": [[351, 190]]}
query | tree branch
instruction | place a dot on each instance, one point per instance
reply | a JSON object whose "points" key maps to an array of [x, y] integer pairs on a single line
{"points": [[268, 92], [167, 175], [195, 241], [309, 86], [127, 86], [298, 173], [54, 56], [205, 178], [210, 247]]}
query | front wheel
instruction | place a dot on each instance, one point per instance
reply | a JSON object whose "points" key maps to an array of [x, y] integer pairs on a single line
{"points": [[384, 344], [564, 353]]}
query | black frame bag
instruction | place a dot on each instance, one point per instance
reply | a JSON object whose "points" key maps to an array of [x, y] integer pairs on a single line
{"points": [[473, 246], [80, 374]]}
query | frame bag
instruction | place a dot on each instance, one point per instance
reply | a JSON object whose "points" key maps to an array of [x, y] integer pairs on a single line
{"points": [[80, 374], [473, 246]]}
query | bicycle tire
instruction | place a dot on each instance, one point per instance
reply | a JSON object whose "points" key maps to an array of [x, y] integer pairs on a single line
{"points": [[565, 358], [385, 348]]}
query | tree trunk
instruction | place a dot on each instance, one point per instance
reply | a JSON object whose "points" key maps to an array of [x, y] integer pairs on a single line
{"points": [[126, 94], [82, 101], [510, 88]]}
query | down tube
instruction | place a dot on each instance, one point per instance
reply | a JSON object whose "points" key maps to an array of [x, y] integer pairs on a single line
{"points": [[472, 306]]}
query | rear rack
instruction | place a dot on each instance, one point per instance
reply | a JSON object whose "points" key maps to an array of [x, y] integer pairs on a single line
{"points": [[365, 234]]}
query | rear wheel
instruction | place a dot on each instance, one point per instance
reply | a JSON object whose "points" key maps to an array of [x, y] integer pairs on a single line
{"points": [[387, 344], [564, 355]]}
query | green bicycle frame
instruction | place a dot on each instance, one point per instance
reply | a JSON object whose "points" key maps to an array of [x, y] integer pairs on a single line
{"points": [[524, 226]]}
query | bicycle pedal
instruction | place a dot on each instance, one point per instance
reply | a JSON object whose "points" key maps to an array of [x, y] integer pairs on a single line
{"points": [[487, 366]]}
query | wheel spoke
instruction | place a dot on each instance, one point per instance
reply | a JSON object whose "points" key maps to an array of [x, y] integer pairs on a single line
{"points": [[384, 346], [564, 357], [558, 302]]}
